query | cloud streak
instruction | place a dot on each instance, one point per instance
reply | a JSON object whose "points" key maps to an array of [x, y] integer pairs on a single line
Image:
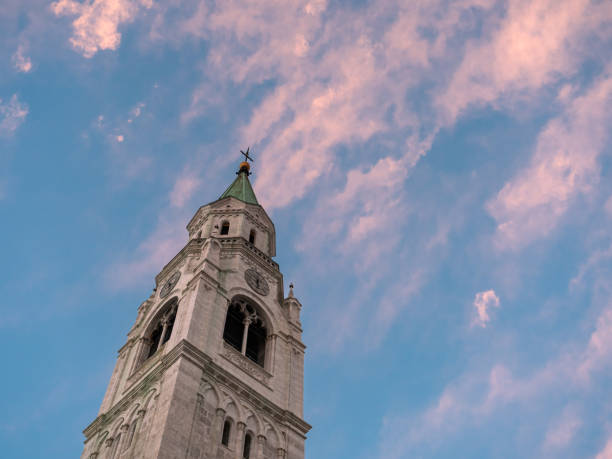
{"points": [[564, 165]]}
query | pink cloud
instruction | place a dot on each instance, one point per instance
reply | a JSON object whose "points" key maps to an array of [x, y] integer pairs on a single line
{"points": [[606, 453], [12, 114], [565, 164], [22, 62], [563, 430], [149, 257], [484, 302], [183, 189], [536, 43], [97, 22]]}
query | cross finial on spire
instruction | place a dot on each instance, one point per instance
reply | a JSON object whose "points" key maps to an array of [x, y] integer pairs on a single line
{"points": [[246, 155]]}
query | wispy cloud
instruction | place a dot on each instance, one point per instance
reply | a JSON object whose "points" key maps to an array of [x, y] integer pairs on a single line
{"points": [[483, 303], [12, 115], [183, 189], [606, 452], [150, 256], [565, 164], [531, 44], [21, 62], [97, 24], [563, 430], [476, 395]]}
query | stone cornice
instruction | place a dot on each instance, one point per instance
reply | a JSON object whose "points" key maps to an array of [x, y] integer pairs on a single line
{"points": [[242, 246]]}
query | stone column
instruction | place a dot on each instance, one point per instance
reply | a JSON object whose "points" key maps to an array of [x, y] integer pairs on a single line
{"points": [[245, 334], [163, 333], [261, 440], [239, 440], [280, 453]]}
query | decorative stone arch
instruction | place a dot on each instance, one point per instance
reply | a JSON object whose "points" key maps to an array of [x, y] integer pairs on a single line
{"points": [[151, 393], [114, 439], [134, 422], [116, 427], [206, 387], [253, 421], [100, 441], [232, 408], [272, 433]]}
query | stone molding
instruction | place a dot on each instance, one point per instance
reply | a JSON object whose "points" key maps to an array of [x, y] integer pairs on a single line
{"points": [[245, 364]]}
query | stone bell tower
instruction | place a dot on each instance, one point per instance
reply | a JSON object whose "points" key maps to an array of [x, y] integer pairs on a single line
{"points": [[213, 366]]}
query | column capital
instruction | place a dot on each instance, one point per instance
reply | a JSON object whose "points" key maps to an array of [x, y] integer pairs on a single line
{"points": [[280, 453], [125, 427], [240, 425], [261, 438], [220, 412], [141, 413]]}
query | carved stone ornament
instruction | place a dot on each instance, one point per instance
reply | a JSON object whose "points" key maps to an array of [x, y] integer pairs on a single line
{"points": [[169, 285], [256, 281], [245, 364]]}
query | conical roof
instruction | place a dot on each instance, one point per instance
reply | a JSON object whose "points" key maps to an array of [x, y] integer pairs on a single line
{"points": [[241, 188]]}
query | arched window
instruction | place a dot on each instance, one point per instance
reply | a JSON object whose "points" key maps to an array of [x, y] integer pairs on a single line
{"points": [[225, 228], [161, 328], [227, 430], [246, 450], [245, 331], [252, 235]]}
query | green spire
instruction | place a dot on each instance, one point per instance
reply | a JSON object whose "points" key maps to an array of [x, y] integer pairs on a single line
{"points": [[241, 188]]}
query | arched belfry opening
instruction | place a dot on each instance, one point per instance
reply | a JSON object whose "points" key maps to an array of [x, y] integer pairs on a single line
{"points": [[245, 330], [160, 328]]}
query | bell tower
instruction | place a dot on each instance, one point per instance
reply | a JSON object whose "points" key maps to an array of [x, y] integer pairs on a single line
{"points": [[213, 365]]}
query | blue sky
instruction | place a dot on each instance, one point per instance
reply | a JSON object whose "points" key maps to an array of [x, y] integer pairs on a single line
{"points": [[439, 173]]}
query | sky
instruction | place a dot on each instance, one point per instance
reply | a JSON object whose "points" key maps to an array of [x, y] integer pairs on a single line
{"points": [[439, 174]]}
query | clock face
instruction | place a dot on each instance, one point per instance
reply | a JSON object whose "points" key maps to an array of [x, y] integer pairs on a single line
{"points": [[169, 285], [256, 281]]}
